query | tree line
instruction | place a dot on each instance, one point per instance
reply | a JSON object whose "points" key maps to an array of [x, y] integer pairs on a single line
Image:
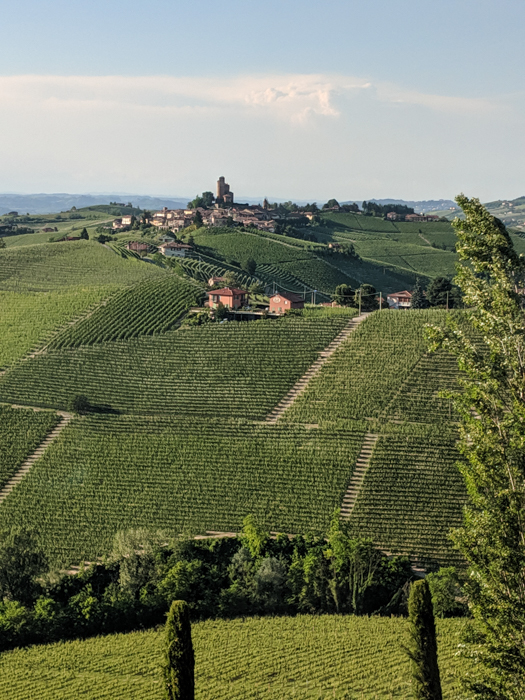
{"points": [[252, 574]]}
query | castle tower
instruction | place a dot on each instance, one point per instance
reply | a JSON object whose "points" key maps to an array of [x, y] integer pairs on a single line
{"points": [[224, 194]]}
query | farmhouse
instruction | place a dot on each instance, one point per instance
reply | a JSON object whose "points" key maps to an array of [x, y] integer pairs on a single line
{"points": [[229, 297], [283, 301], [400, 300], [394, 216], [216, 280], [175, 250], [138, 246]]}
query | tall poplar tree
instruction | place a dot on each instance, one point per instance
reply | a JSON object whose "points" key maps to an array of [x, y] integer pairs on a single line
{"points": [[491, 405], [422, 651], [179, 658]]}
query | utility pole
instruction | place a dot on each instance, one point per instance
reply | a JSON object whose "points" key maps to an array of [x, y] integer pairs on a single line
{"points": [[359, 301], [380, 301], [315, 291], [447, 299]]}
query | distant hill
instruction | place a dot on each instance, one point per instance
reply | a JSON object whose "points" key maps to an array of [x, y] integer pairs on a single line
{"points": [[50, 203], [420, 206]]}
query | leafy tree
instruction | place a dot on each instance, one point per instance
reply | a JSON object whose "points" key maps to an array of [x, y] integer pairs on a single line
{"points": [[439, 292], [344, 295], [254, 537], [80, 405], [446, 592], [492, 410], [230, 279], [179, 665], [197, 220], [21, 562], [367, 294], [422, 649], [84, 234], [205, 200], [331, 203], [249, 265], [418, 300]]}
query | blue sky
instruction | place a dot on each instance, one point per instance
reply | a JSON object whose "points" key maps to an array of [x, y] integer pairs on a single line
{"points": [[354, 99]]}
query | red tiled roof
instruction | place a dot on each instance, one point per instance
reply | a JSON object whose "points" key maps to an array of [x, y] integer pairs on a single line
{"points": [[228, 291], [288, 295], [404, 293]]}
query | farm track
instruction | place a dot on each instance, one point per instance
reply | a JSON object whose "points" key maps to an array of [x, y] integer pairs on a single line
{"points": [[300, 386], [28, 463], [361, 465]]}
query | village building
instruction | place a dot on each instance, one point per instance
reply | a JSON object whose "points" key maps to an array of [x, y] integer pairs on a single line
{"points": [[229, 297], [281, 302], [175, 250], [138, 246], [400, 300], [335, 246], [394, 216], [216, 280], [48, 229]]}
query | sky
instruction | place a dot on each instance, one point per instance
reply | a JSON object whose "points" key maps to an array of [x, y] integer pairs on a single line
{"points": [[352, 99]]}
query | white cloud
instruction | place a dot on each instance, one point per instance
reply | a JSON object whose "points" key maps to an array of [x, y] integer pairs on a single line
{"points": [[291, 97], [297, 135]]}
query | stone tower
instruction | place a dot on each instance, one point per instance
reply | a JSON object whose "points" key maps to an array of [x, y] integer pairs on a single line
{"points": [[224, 194]]}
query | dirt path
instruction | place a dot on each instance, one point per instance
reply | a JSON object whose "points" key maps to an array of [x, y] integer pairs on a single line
{"points": [[425, 239], [301, 385], [65, 418], [361, 465]]}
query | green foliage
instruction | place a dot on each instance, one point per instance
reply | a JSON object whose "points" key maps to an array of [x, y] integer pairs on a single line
{"points": [[423, 645], [84, 234], [492, 412], [448, 599], [205, 200], [318, 656], [80, 404], [249, 265], [179, 657], [344, 295], [365, 297], [21, 562], [418, 300]]}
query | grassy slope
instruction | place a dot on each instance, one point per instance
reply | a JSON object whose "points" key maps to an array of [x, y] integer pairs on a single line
{"points": [[244, 368], [106, 474], [28, 318], [272, 658], [70, 264], [22, 431]]}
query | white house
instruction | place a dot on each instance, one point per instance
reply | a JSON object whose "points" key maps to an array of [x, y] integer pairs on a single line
{"points": [[175, 250]]}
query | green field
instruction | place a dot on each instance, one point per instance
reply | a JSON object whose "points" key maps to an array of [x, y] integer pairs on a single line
{"points": [[28, 318], [54, 266], [21, 432], [241, 369], [150, 308], [305, 657], [106, 474]]}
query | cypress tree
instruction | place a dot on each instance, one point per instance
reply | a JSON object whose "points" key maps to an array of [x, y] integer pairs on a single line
{"points": [[179, 658], [418, 300], [423, 646]]}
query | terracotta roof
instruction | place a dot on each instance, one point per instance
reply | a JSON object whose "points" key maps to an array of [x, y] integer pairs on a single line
{"points": [[288, 295], [404, 293], [228, 291], [178, 246]]}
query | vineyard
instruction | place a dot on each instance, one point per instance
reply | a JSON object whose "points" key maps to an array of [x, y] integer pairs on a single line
{"points": [[27, 319], [243, 369], [21, 432], [412, 494], [54, 266], [238, 246], [150, 308], [109, 473], [364, 376], [246, 659]]}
